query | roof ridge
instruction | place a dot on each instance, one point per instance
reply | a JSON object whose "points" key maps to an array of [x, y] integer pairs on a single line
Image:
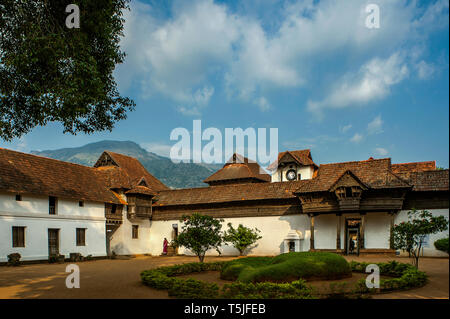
{"points": [[367, 160]]}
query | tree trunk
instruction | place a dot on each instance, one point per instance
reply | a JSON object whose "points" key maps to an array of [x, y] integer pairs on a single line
{"points": [[201, 257]]}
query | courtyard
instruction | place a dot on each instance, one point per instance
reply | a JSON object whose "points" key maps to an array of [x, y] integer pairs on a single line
{"points": [[119, 278]]}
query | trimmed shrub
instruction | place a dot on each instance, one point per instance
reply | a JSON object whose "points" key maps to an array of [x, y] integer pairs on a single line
{"points": [[442, 244], [405, 276], [287, 267], [267, 290], [14, 259], [163, 278]]}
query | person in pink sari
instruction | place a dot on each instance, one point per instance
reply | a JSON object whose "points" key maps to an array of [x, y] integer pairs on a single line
{"points": [[165, 246]]}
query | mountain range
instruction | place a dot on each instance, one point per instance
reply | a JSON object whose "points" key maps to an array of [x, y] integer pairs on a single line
{"points": [[181, 175]]}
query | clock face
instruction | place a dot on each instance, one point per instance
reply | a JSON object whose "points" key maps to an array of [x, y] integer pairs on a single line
{"points": [[291, 175]]}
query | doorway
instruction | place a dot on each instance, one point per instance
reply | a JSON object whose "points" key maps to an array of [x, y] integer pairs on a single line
{"points": [[53, 242], [352, 236]]}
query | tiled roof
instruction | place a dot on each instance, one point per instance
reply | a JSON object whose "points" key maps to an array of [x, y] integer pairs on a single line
{"points": [[436, 180], [140, 190], [26, 173], [374, 173], [238, 168], [135, 171], [302, 157], [413, 167], [228, 193]]}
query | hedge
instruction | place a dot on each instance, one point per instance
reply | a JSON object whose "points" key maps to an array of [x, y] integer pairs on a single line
{"points": [[164, 278], [287, 267], [442, 244], [405, 276]]}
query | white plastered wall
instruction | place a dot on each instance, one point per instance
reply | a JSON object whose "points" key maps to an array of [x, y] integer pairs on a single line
{"points": [[32, 213]]}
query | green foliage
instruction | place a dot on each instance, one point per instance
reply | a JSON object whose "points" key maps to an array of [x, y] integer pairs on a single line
{"points": [[405, 276], [287, 267], [49, 72], [410, 236], [163, 278], [267, 290], [14, 259], [442, 244], [242, 237], [200, 233]]}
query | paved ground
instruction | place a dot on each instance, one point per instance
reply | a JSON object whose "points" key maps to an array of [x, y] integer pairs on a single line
{"points": [[120, 279]]}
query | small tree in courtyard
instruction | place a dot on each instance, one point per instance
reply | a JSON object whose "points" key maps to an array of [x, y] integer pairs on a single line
{"points": [[200, 233], [410, 235], [242, 237]]}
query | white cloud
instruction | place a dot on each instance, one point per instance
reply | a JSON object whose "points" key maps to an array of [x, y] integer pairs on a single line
{"points": [[381, 151], [204, 45], [157, 148], [263, 104], [424, 70], [345, 128], [356, 138], [376, 126], [371, 82]]}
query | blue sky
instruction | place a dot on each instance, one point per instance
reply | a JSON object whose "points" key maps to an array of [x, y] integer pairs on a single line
{"points": [[309, 68]]}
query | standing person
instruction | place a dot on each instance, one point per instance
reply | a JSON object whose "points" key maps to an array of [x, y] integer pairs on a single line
{"points": [[165, 246]]}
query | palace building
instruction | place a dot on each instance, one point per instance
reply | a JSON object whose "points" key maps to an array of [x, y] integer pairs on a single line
{"points": [[50, 207]]}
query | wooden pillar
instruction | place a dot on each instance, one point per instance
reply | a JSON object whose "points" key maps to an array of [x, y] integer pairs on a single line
{"points": [[338, 232], [362, 230], [311, 227]]}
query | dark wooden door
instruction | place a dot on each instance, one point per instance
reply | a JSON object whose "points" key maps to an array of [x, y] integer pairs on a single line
{"points": [[53, 242]]}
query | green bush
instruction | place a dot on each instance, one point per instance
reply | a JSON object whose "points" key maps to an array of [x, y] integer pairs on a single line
{"points": [[406, 276], [163, 278], [442, 244], [287, 267], [14, 259], [267, 290]]}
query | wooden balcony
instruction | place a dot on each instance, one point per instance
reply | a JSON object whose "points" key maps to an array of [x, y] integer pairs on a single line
{"points": [[113, 213]]}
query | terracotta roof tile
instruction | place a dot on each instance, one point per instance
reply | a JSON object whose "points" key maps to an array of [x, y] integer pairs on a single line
{"points": [[302, 157], [413, 167], [239, 168], [374, 173], [228, 193], [26, 173], [436, 180]]}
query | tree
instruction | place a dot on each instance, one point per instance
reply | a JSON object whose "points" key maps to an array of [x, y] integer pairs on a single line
{"points": [[200, 233], [52, 73], [410, 236], [242, 237]]}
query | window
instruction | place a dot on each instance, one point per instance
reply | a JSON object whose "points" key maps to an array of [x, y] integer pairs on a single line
{"points": [[299, 177], [81, 203], [348, 192], [135, 232], [52, 205], [18, 236], [81, 236], [18, 197], [113, 208]]}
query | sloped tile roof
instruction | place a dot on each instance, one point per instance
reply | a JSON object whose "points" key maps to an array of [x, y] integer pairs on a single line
{"points": [[228, 193], [436, 180], [238, 168], [375, 173], [302, 157], [26, 173], [413, 167], [135, 171]]}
